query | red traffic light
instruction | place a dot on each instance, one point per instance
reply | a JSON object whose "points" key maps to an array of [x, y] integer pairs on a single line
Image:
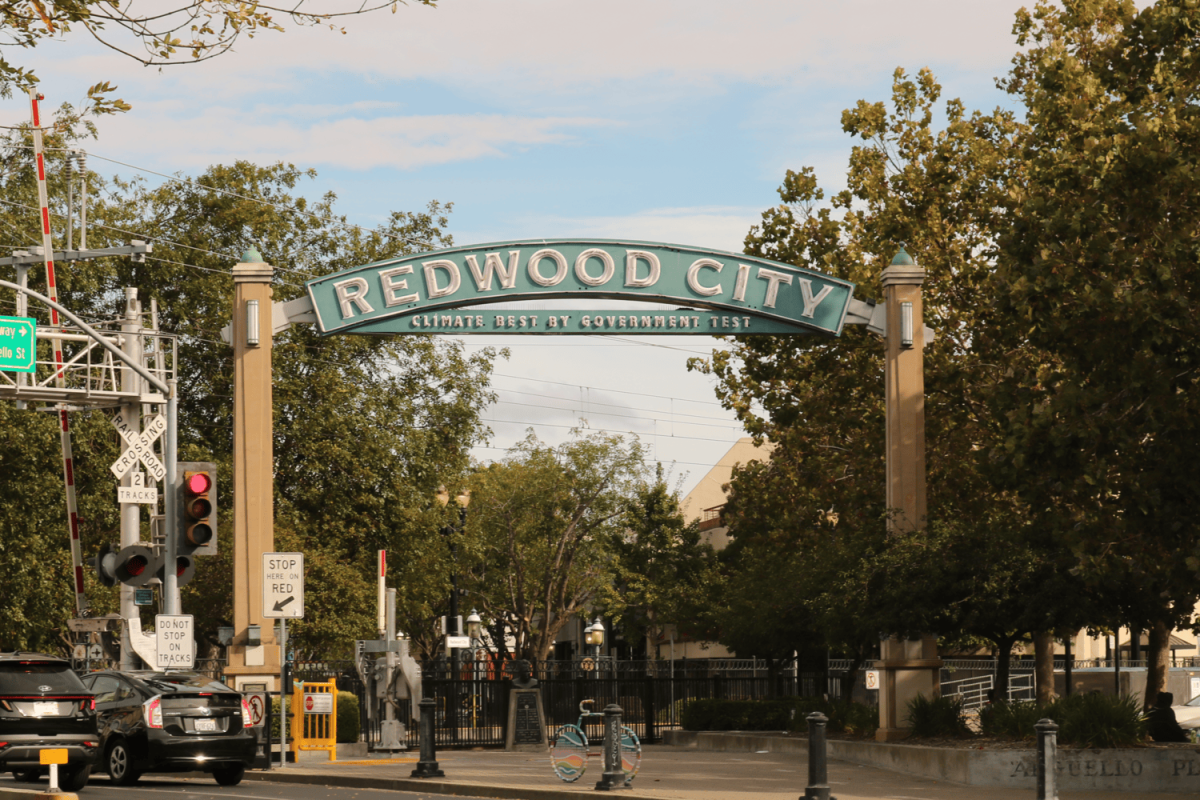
{"points": [[195, 483]]}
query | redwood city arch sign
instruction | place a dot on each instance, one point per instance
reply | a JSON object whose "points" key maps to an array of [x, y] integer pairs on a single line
{"points": [[449, 291]]}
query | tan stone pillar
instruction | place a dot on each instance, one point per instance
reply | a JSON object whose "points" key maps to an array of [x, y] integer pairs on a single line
{"points": [[253, 470], [909, 666]]}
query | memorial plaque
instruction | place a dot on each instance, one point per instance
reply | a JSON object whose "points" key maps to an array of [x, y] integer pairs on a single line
{"points": [[526, 721]]}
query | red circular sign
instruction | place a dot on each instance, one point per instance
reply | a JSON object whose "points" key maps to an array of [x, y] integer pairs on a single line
{"points": [[308, 703]]}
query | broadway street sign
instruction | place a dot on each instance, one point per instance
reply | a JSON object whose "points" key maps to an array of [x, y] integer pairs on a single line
{"points": [[704, 291], [18, 345]]}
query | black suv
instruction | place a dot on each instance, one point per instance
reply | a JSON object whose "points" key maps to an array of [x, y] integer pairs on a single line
{"points": [[171, 722], [43, 705]]}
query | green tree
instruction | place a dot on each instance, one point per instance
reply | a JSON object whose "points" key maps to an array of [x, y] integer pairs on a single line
{"points": [[541, 530], [366, 428], [1098, 268], [820, 402], [664, 572]]}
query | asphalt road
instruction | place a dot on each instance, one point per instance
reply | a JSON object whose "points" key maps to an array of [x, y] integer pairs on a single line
{"points": [[160, 787]]}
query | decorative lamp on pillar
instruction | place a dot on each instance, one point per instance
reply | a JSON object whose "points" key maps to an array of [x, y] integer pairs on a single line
{"points": [[253, 469], [910, 665]]}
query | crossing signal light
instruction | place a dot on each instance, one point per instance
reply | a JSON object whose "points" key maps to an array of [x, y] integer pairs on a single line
{"points": [[136, 565], [197, 500], [185, 569], [105, 565]]}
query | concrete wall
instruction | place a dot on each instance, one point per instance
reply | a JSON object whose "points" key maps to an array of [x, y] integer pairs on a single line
{"points": [[1144, 770], [1133, 681]]}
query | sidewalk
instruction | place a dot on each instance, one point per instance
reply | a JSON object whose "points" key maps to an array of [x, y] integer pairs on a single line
{"points": [[667, 773]]}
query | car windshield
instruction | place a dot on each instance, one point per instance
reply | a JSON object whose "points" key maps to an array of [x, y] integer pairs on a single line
{"points": [[38, 678], [183, 682], [1195, 701]]}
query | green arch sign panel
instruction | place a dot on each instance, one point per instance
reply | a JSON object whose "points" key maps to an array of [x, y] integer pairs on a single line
{"points": [[450, 291]]}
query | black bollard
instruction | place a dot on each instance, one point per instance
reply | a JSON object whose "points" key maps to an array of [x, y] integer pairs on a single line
{"points": [[818, 764], [1047, 760], [614, 776], [427, 767]]}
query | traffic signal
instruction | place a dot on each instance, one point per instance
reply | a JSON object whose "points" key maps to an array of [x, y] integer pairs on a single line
{"points": [[197, 501], [105, 565], [185, 569], [135, 565]]}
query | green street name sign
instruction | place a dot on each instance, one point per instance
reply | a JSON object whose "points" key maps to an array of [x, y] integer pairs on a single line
{"points": [[18, 344], [448, 291]]}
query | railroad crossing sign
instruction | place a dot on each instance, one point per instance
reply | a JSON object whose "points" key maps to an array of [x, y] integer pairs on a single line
{"points": [[283, 585], [140, 448], [18, 344]]}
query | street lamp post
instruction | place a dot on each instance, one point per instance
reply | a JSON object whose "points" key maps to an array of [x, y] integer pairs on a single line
{"points": [[593, 637], [475, 634], [452, 619]]}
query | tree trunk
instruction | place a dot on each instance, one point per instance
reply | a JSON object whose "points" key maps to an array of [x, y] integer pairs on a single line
{"points": [[1043, 666], [851, 676], [1004, 646], [1157, 662]]}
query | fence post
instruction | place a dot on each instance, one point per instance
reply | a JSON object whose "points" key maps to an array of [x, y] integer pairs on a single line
{"points": [[818, 766], [1047, 760], [427, 767], [613, 777]]}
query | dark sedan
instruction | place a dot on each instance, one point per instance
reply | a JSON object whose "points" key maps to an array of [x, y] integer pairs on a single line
{"points": [[43, 706], [171, 722]]}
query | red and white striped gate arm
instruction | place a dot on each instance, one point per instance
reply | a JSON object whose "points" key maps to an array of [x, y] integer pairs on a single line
{"points": [[39, 155]]}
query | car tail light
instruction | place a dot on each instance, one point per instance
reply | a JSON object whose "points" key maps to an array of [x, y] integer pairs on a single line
{"points": [[87, 705], [247, 717], [152, 709]]}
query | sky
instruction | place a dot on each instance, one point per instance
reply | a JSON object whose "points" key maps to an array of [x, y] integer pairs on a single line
{"points": [[659, 120]]}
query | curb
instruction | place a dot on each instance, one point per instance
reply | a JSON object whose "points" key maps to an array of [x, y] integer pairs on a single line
{"points": [[427, 786]]}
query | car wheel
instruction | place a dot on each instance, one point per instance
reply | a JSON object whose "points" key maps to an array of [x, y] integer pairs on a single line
{"points": [[120, 764], [26, 775], [229, 775], [73, 780]]}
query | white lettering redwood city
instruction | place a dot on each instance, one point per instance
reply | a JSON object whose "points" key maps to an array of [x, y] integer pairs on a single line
{"points": [[443, 278]]}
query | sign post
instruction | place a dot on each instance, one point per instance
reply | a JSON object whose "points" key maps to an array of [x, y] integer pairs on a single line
{"points": [[283, 599], [176, 639]]}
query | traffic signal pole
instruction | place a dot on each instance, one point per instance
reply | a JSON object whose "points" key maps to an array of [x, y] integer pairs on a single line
{"points": [[170, 593], [131, 412]]}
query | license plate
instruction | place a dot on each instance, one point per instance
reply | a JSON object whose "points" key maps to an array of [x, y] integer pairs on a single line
{"points": [[45, 709], [206, 724]]}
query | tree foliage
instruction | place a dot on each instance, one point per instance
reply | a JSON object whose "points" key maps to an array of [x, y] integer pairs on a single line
{"points": [[541, 530], [1098, 268], [366, 428]]}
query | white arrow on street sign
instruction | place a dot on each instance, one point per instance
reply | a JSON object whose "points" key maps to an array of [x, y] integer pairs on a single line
{"points": [[283, 585], [140, 448], [175, 638]]}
